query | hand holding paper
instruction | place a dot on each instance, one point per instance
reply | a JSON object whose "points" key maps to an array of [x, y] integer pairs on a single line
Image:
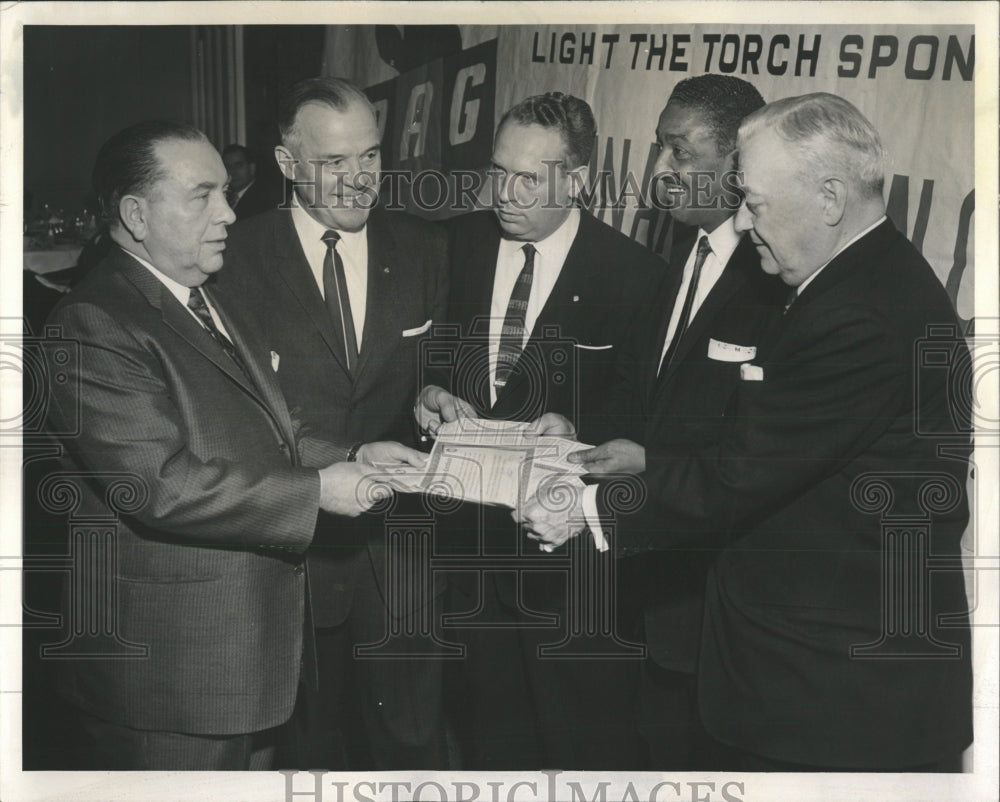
{"points": [[614, 456]]}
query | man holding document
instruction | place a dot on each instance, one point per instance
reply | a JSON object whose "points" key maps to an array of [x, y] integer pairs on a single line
{"points": [[808, 660], [541, 294]]}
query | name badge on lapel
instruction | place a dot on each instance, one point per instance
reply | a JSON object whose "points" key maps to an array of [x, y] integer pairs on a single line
{"points": [[729, 352]]}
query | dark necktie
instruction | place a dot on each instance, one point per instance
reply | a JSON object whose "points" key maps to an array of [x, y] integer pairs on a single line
{"points": [[512, 333], [338, 302], [793, 293], [232, 197], [196, 303], [704, 249]]}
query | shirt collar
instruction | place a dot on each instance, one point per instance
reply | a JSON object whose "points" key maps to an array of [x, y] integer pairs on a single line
{"points": [[723, 239], [840, 250], [558, 242], [178, 290], [310, 230]]}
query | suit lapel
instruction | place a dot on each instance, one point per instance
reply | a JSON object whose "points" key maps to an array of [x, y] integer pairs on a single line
{"points": [[732, 279], [385, 297], [290, 262], [678, 258], [180, 321], [266, 389], [482, 267]]}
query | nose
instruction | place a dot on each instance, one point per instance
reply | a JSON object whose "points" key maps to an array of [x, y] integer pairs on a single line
{"points": [[665, 161], [743, 220], [226, 214], [503, 184]]}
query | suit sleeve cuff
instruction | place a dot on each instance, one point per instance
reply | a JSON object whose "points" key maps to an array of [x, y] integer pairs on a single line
{"points": [[593, 517]]}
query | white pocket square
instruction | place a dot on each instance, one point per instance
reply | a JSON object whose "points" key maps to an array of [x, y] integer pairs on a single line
{"points": [[275, 359], [729, 352], [593, 347], [417, 330], [751, 373]]}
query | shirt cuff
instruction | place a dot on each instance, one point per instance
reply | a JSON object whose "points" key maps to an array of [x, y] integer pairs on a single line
{"points": [[593, 518]]}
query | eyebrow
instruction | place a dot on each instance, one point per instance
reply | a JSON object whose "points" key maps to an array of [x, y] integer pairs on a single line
{"points": [[331, 156], [206, 185]]}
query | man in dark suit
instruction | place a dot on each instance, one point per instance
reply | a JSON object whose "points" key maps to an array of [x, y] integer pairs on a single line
{"points": [[344, 292], [542, 294], [247, 194], [675, 379], [828, 642], [185, 440]]}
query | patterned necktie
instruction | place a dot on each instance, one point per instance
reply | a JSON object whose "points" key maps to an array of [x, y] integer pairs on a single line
{"points": [[512, 333], [196, 303], [704, 249], [338, 302]]}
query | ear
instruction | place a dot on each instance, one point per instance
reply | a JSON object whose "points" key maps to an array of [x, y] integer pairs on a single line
{"points": [[133, 213], [834, 195], [253, 170], [286, 161], [578, 180]]}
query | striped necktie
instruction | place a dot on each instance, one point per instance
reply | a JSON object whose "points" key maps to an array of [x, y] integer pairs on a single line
{"points": [[512, 333]]}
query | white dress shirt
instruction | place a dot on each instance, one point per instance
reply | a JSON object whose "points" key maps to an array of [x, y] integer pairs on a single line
{"points": [[550, 255], [353, 250], [182, 293], [723, 241]]}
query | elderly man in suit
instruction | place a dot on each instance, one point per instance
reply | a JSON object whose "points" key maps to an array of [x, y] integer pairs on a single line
{"points": [[826, 641], [344, 290], [178, 399], [531, 278]]}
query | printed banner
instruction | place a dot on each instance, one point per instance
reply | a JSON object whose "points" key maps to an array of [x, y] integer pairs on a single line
{"points": [[914, 83]]}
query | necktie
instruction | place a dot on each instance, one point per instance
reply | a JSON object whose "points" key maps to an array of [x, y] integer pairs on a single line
{"points": [[196, 303], [338, 302], [512, 333], [704, 249], [793, 293], [232, 197]]}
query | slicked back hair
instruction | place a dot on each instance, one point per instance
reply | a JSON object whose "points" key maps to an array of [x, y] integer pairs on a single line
{"points": [[127, 164], [568, 115], [723, 101], [337, 93], [829, 133]]}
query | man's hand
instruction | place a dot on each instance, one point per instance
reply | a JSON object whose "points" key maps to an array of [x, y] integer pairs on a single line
{"points": [[347, 489], [614, 456], [388, 453], [552, 424], [435, 406], [553, 515]]}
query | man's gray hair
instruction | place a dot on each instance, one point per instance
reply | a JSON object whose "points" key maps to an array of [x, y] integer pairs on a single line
{"points": [[829, 132]]}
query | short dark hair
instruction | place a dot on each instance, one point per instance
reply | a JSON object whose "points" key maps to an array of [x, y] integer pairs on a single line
{"points": [[338, 93], [569, 115], [127, 164], [235, 148], [723, 100]]}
